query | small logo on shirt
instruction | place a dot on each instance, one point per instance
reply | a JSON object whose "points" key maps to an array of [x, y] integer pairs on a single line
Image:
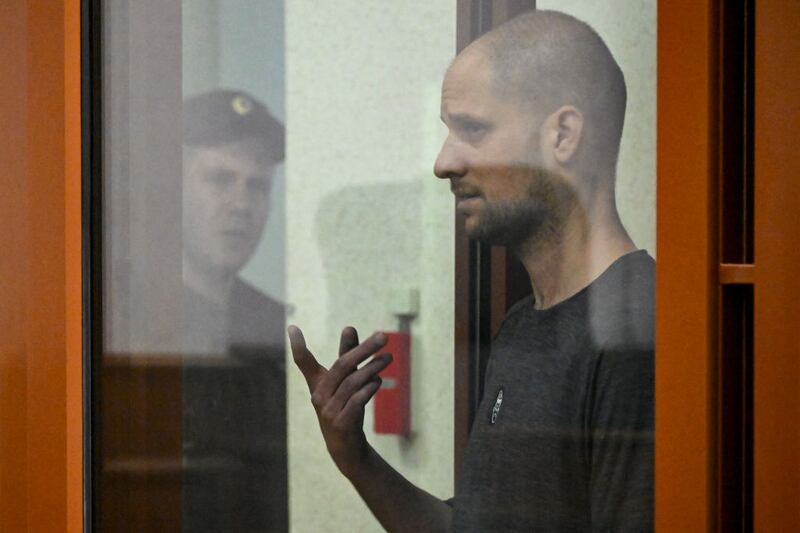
{"points": [[497, 404]]}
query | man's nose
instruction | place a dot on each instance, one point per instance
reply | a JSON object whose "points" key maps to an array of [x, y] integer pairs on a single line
{"points": [[449, 163]]}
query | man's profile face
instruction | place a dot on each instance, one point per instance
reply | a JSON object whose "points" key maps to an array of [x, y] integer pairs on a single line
{"points": [[493, 156], [226, 193]]}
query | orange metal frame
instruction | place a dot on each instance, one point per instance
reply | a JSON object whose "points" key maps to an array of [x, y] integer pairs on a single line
{"points": [[685, 269], [776, 490], [689, 274], [41, 373], [40, 276]]}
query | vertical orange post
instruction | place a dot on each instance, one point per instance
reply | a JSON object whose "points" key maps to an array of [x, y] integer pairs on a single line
{"points": [[13, 275], [776, 418], [73, 232], [686, 265], [53, 324], [41, 398]]}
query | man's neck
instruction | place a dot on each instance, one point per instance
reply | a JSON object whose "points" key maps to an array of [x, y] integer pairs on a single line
{"points": [[213, 284], [563, 262]]}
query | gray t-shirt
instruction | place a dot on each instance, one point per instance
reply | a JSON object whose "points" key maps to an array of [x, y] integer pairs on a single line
{"points": [[563, 438]]}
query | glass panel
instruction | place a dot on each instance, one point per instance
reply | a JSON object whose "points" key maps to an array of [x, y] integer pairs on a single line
{"points": [[246, 165], [270, 163], [369, 229]]}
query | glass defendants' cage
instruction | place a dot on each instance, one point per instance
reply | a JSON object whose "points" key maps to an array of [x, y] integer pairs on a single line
{"points": [[133, 394]]}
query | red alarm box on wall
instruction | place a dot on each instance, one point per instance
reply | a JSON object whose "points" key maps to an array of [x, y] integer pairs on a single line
{"points": [[393, 399]]}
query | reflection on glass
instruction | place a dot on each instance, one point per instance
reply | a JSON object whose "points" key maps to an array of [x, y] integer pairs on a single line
{"points": [[202, 426], [234, 423], [191, 432]]}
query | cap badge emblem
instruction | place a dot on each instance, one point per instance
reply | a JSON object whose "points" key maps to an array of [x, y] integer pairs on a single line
{"points": [[241, 105]]}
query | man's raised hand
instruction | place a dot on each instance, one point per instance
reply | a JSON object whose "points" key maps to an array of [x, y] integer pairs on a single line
{"points": [[340, 393]]}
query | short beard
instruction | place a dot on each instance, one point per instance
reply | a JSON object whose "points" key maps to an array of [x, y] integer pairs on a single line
{"points": [[537, 217]]}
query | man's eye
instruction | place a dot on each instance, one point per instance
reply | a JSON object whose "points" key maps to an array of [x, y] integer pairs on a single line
{"points": [[474, 130]]}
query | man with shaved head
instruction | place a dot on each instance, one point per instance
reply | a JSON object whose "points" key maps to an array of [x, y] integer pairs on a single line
{"points": [[563, 438]]}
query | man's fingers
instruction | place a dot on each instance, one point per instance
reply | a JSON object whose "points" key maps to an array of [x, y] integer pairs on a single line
{"points": [[348, 340], [303, 358], [349, 361], [354, 407], [355, 381], [348, 364]]}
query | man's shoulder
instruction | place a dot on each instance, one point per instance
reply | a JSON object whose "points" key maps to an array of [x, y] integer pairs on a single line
{"points": [[256, 319], [621, 305], [251, 300], [617, 308]]}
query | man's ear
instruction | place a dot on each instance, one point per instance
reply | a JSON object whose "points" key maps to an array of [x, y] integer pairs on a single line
{"points": [[568, 124]]}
